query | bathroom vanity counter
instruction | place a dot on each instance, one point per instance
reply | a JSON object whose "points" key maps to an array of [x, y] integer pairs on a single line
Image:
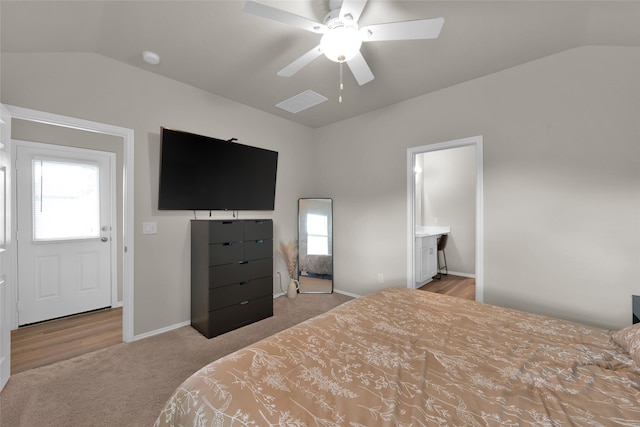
{"points": [[426, 251], [432, 230]]}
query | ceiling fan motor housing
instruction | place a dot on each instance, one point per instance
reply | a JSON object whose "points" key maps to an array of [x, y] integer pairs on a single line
{"points": [[333, 20]]}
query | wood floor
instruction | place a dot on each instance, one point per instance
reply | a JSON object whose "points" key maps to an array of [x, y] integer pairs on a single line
{"points": [[49, 342], [457, 286]]}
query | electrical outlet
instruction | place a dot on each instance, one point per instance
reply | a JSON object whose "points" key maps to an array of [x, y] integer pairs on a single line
{"points": [[380, 278]]}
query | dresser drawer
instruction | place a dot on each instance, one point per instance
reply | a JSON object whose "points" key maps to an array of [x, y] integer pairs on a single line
{"points": [[227, 274], [226, 231], [233, 252], [258, 229], [256, 249], [236, 293], [226, 253], [235, 316]]}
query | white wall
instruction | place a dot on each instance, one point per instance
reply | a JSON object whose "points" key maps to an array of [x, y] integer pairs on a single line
{"points": [[561, 183], [449, 198], [93, 87]]}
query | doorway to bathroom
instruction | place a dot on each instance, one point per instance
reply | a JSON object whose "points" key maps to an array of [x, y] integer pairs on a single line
{"points": [[444, 192]]}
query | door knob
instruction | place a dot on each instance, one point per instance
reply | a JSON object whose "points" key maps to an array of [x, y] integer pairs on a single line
{"points": [[105, 239]]}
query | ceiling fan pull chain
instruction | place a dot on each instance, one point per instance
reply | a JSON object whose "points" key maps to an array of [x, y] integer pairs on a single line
{"points": [[341, 87]]}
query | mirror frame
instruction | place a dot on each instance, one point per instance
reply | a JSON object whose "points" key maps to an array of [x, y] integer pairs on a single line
{"points": [[303, 238]]}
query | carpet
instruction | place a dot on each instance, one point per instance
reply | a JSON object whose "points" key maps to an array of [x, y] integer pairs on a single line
{"points": [[129, 383]]}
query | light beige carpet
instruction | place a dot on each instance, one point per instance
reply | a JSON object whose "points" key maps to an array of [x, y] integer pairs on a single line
{"points": [[128, 384]]}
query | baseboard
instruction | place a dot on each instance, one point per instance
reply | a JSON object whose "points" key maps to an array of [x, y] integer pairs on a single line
{"points": [[349, 294], [160, 331], [338, 291], [456, 273]]}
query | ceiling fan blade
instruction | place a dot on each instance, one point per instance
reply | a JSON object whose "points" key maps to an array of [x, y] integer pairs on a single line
{"points": [[405, 30], [300, 63], [263, 11], [352, 9], [360, 69]]}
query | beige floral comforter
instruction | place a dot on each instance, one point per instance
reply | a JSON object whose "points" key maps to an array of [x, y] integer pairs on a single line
{"points": [[412, 358]]}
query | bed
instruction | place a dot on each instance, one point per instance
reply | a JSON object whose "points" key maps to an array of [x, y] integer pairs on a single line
{"points": [[403, 357], [317, 266]]}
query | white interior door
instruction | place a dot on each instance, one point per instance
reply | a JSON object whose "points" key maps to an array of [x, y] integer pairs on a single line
{"points": [[5, 247], [64, 206]]}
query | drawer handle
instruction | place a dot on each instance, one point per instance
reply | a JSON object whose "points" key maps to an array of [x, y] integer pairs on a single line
{"points": [[227, 222], [243, 283], [243, 262], [244, 303], [259, 241], [227, 244]]}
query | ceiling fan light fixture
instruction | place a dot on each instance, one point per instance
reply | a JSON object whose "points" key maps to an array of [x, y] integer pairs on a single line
{"points": [[340, 44]]}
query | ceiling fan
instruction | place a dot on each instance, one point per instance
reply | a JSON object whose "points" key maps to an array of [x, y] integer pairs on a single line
{"points": [[341, 36]]}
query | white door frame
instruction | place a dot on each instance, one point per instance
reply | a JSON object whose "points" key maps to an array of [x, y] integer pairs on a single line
{"points": [[128, 229], [475, 141], [6, 247]]}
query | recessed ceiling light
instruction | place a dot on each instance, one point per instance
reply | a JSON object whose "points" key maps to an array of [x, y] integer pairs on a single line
{"points": [[150, 57]]}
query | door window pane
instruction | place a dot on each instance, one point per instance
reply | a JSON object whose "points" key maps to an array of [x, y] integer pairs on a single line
{"points": [[66, 202]]}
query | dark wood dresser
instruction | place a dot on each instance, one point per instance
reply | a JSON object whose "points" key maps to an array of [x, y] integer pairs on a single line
{"points": [[231, 274]]}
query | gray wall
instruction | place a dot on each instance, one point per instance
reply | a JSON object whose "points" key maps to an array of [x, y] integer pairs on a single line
{"points": [[561, 183], [448, 195], [93, 87], [561, 164]]}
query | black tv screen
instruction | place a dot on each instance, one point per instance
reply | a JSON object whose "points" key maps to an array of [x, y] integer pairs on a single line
{"points": [[203, 173]]}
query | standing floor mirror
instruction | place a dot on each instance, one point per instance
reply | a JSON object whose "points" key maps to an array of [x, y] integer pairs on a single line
{"points": [[315, 246]]}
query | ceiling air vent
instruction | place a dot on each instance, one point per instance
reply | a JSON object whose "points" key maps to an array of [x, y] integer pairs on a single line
{"points": [[302, 101]]}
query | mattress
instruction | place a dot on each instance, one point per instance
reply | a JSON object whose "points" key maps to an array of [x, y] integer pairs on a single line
{"points": [[403, 357]]}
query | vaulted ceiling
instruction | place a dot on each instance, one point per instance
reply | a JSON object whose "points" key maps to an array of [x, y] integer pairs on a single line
{"points": [[215, 46]]}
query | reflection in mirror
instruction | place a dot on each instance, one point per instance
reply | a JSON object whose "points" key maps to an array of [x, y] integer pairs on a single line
{"points": [[315, 245]]}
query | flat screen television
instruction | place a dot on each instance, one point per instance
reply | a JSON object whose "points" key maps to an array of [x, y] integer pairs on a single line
{"points": [[203, 173]]}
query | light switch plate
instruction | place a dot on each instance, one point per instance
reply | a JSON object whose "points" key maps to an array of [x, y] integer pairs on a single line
{"points": [[150, 227]]}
